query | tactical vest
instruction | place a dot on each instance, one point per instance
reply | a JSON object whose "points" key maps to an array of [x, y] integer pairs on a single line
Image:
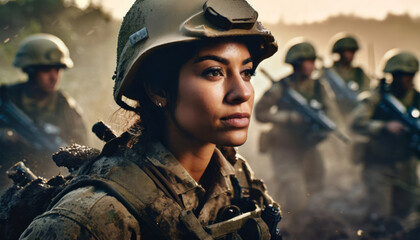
{"points": [[316, 94], [249, 222]]}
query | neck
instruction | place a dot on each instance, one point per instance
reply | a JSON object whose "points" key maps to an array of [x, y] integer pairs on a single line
{"points": [[193, 155], [344, 64], [300, 77], [34, 92]]}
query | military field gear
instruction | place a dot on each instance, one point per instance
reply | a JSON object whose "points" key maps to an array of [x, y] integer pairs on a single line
{"points": [[347, 82], [143, 192], [30, 195], [42, 50], [344, 41], [387, 157], [300, 49], [13, 117], [292, 144], [171, 23], [57, 114], [400, 61]]}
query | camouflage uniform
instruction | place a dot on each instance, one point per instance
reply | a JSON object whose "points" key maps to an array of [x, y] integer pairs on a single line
{"points": [[91, 213], [353, 74], [293, 147], [389, 165], [59, 111], [168, 204], [389, 161]]}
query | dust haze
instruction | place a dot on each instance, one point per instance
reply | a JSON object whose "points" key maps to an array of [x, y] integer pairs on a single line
{"points": [[91, 36]]}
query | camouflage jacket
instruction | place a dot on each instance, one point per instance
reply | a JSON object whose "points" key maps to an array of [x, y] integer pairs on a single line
{"points": [[285, 131], [56, 109], [57, 113], [382, 146], [91, 213], [353, 74]]}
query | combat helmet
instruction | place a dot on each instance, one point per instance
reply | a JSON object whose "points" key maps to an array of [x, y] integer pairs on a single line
{"points": [[152, 25], [42, 50], [400, 61], [344, 41], [300, 49]]}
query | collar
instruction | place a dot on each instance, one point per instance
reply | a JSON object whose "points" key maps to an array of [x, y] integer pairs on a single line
{"points": [[180, 179]]}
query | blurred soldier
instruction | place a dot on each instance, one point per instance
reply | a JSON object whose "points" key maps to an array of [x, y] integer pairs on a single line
{"points": [[346, 47], [350, 80], [390, 166], [292, 142], [37, 107]]}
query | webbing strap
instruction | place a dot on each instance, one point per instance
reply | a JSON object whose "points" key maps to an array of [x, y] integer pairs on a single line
{"points": [[115, 190]]}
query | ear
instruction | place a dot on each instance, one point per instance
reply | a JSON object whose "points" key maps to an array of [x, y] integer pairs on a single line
{"points": [[159, 99]]}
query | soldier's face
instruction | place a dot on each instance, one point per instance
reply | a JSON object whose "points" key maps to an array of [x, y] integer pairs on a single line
{"points": [[47, 79], [348, 55], [215, 96], [307, 67]]}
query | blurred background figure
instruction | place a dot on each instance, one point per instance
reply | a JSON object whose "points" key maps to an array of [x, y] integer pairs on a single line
{"points": [[293, 139], [36, 117], [346, 80], [390, 156]]}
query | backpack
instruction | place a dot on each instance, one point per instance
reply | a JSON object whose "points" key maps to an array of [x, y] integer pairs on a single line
{"points": [[20, 204]]}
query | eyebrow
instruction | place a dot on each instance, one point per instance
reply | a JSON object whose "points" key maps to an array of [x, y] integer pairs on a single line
{"points": [[219, 59]]}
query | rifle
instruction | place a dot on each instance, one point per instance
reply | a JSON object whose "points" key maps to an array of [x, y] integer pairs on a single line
{"points": [[342, 92], [12, 117], [316, 118], [396, 110]]}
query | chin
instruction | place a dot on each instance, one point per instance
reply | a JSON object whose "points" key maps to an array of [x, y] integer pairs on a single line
{"points": [[233, 140]]}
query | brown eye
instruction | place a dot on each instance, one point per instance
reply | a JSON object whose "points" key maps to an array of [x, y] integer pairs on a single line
{"points": [[248, 74], [212, 72]]}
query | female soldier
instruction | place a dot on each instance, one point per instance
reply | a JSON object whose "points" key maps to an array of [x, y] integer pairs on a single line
{"points": [[187, 65]]}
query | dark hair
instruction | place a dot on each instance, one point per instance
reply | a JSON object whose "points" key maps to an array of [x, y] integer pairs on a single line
{"points": [[160, 74]]}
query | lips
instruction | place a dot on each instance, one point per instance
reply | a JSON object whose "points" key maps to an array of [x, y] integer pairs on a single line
{"points": [[237, 120]]}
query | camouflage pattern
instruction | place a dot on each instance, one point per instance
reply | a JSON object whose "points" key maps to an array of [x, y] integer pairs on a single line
{"points": [[91, 213], [57, 112], [351, 76], [292, 145], [389, 166]]}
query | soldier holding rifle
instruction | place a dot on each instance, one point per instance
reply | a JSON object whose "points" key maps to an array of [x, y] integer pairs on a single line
{"points": [[36, 118], [294, 137], [389, 118]]}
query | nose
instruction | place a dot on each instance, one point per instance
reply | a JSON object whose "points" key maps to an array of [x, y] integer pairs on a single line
{"points": [[238, 90], [53, 73]]}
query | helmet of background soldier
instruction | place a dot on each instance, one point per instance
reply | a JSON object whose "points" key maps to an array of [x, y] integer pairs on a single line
{"points": [[42, 50], [152, 25], [400, 61], [344, 41], [299, 49]]}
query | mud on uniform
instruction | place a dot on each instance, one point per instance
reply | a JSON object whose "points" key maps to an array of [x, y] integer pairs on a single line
{"points": [[91, 213], [389, 163], [296, 159], [62, 115]]}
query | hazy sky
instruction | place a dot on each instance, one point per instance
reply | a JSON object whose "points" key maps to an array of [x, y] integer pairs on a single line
{"points": [[302, 11]]}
